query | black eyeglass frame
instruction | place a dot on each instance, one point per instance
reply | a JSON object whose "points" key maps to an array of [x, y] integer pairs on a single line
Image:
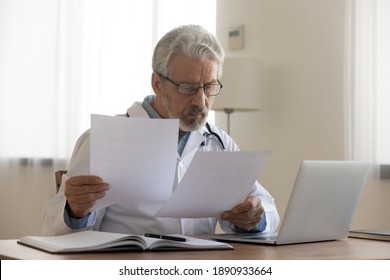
{"points": [[193, 87]]}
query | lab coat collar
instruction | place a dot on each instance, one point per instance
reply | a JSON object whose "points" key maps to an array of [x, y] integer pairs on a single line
{"points": [[194, 141], [137, 111]]}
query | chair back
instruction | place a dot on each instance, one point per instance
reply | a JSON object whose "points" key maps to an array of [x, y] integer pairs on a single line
{"points": [[58, 176]]}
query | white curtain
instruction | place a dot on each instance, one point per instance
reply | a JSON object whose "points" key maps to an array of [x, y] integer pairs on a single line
{"points": [[367, 80], [60, 61]]}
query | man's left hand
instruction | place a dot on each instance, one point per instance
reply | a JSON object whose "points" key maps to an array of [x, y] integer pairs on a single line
{"points": [[247, 214]]}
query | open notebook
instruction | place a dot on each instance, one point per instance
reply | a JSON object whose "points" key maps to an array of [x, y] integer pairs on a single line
{"points": [[98, 241], [321, 206]]}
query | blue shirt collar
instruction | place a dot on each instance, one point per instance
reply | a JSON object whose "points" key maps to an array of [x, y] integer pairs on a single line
{"points": [[148, 107]]}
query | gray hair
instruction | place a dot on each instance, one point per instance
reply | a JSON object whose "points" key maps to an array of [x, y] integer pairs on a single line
{"points": [[190, 40]]}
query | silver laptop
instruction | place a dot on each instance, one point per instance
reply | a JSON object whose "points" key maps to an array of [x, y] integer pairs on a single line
{"points": [[321, 206]]}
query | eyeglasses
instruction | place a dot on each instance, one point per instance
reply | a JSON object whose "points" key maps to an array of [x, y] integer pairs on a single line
{"points": [[211, 89]]}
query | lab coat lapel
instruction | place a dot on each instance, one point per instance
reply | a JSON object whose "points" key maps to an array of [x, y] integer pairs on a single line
{"points": [[194, 141], [193, 145]]}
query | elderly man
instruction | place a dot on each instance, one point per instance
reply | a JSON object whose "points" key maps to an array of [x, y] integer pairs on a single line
{"points": [[187, 65]]}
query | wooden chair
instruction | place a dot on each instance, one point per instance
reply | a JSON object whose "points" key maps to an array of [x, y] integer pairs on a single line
{"points": [[58, 176]]}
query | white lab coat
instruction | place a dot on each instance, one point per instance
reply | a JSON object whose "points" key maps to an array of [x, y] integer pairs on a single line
{"points": [[137, 218]]}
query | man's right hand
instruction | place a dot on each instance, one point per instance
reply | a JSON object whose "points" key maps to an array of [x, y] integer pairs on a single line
{"points": [[81, 192]]}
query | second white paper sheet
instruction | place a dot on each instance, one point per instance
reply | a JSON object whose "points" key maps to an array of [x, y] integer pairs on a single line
{"points": [[214, 182], [136, 156]]}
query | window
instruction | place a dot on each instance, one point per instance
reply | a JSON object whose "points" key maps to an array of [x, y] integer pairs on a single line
{"points": [[382, 81], [368, 84], [60, 61]]}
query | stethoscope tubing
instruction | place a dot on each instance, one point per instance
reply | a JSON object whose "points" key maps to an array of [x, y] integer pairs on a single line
{"points": [[211, 135]]}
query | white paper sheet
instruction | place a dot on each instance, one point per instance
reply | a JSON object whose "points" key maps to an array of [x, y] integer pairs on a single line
{"points": [[136, 156], [214, 182]]}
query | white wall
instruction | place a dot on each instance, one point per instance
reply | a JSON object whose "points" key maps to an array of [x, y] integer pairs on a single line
{"points": [[301, 45]]}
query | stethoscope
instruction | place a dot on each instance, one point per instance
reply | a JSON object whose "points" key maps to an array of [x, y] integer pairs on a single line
{"points": [[211, 135]]}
